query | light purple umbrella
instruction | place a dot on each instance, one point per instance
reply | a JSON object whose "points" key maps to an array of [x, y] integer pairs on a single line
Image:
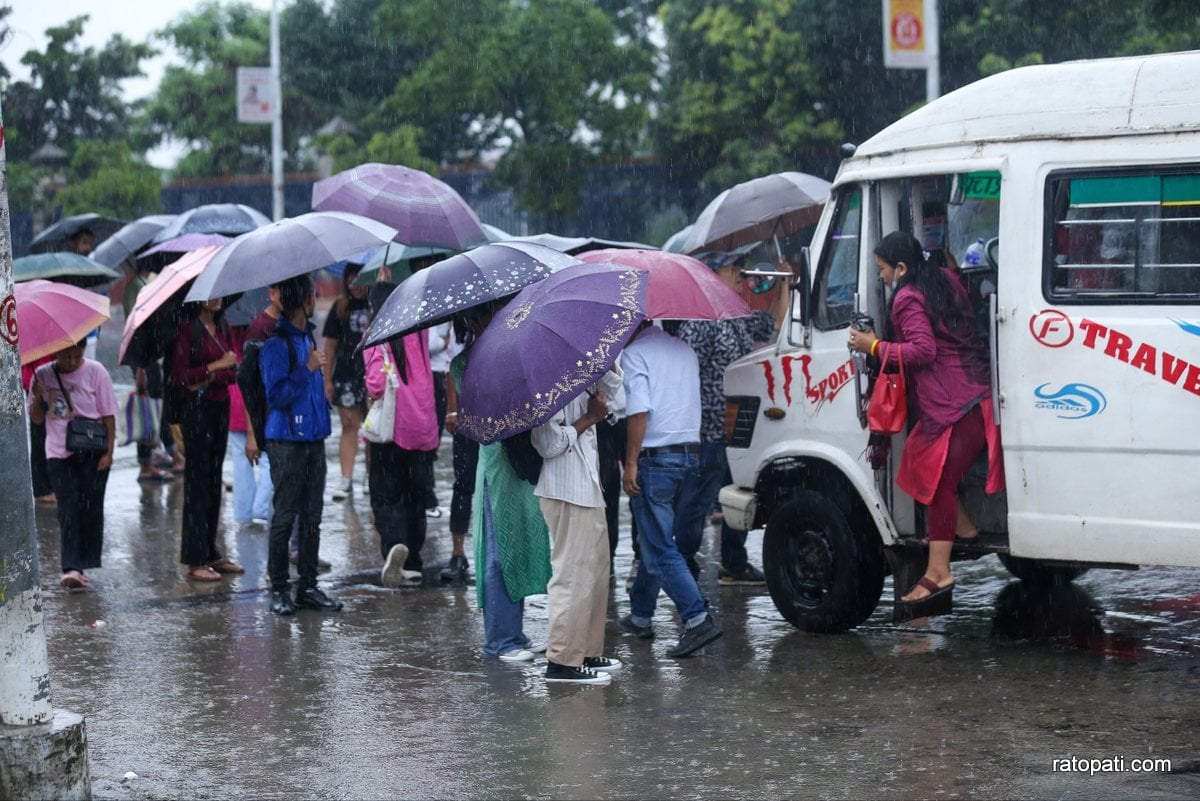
{"points": [[422, 209], [293, 246], [552, 342], [187, 243]]}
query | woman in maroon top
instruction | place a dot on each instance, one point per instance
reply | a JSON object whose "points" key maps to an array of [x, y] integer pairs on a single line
{"points": [[203, 367], [950, 396]]}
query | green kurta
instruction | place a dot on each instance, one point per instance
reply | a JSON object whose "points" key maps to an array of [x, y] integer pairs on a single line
{"points": [[521, 533]]}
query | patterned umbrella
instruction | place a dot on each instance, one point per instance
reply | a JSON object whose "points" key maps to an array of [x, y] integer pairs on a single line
{"points": [[755, 211], [435, 294], [284, 249], [56, 236], [547, 346], [680, 287], [229, 219], [422, 209], [53, 316], [130, 239]]}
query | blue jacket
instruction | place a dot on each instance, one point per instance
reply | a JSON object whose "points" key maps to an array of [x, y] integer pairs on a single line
{"points": [[296, 406]]}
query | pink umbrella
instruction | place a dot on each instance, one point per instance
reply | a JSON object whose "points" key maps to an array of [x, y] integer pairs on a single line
{"points": [[155, 295], [187, 243], [680, 287], [53, 316]]}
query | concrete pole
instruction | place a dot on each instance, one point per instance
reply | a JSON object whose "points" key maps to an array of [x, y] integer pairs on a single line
{"points": [[276, 117], [43, 751], [933, 51]]}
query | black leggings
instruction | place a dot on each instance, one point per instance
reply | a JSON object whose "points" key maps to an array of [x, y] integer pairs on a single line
{"points": [[79, 487], [399, 482]]}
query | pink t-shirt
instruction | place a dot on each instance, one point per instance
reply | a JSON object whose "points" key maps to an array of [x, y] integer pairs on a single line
{"points": [[416, 412], [92, 396]]}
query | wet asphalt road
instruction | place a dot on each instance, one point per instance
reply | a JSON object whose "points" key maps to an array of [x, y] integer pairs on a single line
{"points": [[203, 693]]}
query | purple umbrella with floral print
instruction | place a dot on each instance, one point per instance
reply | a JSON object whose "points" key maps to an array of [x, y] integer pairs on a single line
{"points": [[435, 294], [551, 343]]}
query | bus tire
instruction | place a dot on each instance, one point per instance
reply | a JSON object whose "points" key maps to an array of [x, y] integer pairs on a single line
{"points": [[1033, 571], [823, 575]]}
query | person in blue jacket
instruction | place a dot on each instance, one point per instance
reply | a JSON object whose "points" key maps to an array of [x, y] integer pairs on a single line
{"points": [[297, 425]]}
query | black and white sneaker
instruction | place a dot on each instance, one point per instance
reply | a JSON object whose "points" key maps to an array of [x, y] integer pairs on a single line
{"points": [[602, 664], [575, 675]]}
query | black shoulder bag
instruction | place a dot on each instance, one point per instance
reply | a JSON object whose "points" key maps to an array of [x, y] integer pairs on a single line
{"points": [[84, 435]]}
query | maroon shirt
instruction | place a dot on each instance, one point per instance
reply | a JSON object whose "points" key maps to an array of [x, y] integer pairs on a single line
{"points": [[188, 372], [261, 326], [946, 370]]}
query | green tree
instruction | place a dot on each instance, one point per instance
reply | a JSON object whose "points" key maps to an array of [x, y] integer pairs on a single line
{"points": [[741, 92], [106, 178], [552, 84]]}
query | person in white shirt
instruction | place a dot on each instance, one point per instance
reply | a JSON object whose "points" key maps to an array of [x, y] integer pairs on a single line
{"points": [[572, 502], [662, 396]]}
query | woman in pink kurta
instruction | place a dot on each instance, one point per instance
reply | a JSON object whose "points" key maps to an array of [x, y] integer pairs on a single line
{"points": [[399, 470], [949, 388]]}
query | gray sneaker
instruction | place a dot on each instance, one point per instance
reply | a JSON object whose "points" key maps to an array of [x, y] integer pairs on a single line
{"points": [[641, 632], [696, 638]]}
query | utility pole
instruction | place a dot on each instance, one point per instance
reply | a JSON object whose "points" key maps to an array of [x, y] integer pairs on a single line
{"points": [[276, 117], [43, 751]]}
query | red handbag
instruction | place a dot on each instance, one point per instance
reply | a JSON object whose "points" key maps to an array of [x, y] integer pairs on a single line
{"points": [[888, 411]]}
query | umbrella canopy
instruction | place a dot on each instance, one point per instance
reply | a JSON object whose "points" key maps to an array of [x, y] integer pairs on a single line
{"points": [[774, 205], [494, 234], [130, 239], [547, 346], [187, 243], [674, 244], [56, 236], [154, 316], [422, 209], [229, 219], [284, 249], [397, 257], [435, 294], [53, 316], [680, 287], [64, 266], [574, 245]]}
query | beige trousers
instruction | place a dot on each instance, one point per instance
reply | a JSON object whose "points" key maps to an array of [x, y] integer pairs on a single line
{"points": [[578, 589]]}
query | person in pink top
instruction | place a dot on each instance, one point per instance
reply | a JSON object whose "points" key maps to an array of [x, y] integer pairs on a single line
{"points": [[399, 472], [948, 379], [72, 386]]}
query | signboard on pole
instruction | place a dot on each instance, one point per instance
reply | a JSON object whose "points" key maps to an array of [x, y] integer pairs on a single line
{"points": [[905, 34], [255, 94]]}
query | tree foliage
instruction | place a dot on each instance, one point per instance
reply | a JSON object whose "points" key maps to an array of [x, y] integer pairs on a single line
{"points": [[106, 178]]}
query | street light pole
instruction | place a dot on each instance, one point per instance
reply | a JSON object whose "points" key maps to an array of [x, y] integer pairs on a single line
{"points": [[43, 751], [276, 117]]}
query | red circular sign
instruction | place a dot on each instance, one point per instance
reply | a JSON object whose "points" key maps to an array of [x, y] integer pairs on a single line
{"points": [[1052, 328], [906, 30], [8, 320]]}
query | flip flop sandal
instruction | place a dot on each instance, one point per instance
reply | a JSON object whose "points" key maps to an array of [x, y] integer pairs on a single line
{"points": [[205, 573], [936, 593], [157, 474], [74, 580]]}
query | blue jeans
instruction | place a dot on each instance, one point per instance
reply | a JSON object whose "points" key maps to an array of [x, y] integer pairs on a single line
{"points": [[503, 625], [698, 501], [660, 514], [251, 495]]}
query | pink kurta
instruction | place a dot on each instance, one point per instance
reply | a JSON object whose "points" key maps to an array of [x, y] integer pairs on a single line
{"points": [[416, 413]]}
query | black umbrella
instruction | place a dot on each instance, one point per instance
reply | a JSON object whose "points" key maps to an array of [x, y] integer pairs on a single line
{"points": [[435, 294], [229, 219], [130, 239], [57, 236]]}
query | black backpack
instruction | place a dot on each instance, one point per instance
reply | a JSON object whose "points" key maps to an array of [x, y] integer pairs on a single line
{"points": [[526, 462], [250, 382]]}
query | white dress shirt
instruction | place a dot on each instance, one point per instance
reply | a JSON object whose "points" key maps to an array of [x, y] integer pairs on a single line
{"points": [[662, 378], [571, 466]]}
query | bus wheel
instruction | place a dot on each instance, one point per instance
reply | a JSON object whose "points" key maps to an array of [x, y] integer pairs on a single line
{"points": [[823, 575], [1033, 571]]}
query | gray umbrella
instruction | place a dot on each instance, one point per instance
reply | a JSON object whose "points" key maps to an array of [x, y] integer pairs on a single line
{"points": [[130, 239], [55, 237], [229, 219], [293, 246], [754, 211]]}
